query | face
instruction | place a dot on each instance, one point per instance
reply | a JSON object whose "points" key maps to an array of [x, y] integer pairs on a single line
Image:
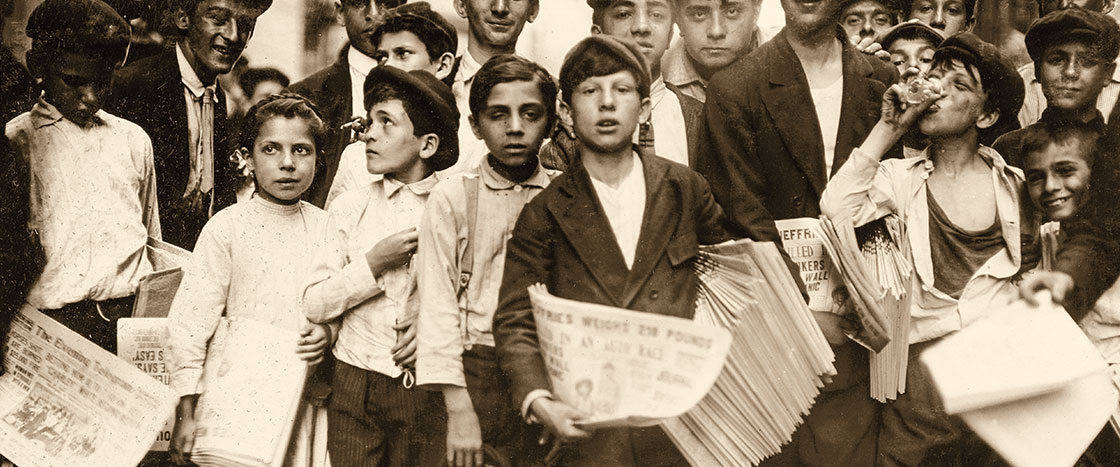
{"points": [[866, 18], [716, 32], [1049, 6], [404, 50], [283, 159], [361, 18], [514, 122], [961, 107], [908, 53], [1072, 77], [76, 85], [265, 89], [811, 16], [1057, 178], [649, 23], [217, 32], [605, 111], [391, 148], [496, 24], [949, 16]]}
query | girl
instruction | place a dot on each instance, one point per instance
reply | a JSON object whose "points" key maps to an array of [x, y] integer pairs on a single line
{"points": [[251, 257]]}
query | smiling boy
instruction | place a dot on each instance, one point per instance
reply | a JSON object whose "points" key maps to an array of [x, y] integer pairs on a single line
{"points": [[654, 214]]}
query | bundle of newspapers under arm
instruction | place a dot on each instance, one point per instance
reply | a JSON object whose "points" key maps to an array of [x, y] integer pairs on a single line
{"points": [[876, 271], [252, 385], [776, 365]]}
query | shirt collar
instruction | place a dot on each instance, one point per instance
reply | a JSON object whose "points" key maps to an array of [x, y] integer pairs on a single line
{"points": [[468, 66], [677, 69], [189, 77], [994, 160], [43, 114], [360, 62], [495, 181], [657, 89], [420, 188]]}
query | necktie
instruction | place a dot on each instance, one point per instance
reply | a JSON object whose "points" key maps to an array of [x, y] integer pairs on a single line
{"points": [[645, 136], [206, 139]]}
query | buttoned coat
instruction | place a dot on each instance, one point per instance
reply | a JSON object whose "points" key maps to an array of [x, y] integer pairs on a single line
{"points": [[564, 240], [149, 93]]}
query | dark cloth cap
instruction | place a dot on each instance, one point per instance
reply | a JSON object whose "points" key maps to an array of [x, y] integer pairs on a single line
{"points": [[998, 75], [82, 26], [438, 103], [910, 28], [624, 50], [892, 5], [418, 17], [1099, 31]]}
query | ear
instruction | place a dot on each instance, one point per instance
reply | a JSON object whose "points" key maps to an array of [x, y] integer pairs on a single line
{"points": [[565, 112], [1108, 6], [474, 126], [182, 19], [338, 18], [1109, 69], [429, 143], [647, 110], [248, 158], [987, 119], [446, 63], [534, 9], [461, 8], [596, 29]]}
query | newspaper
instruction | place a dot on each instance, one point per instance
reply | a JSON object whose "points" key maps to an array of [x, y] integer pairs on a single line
{"points": [[143, 343], [157, 289], [252, 383], [818, 273], [67, 402], [623, 367]]}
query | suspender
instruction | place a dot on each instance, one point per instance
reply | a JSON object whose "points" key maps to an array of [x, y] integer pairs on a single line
{"points": [[466, 263]]}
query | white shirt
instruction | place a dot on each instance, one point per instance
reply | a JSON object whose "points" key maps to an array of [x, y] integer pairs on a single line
{"points": [[624, 206], [360, 66], [471, 149], [1034, 102], [827, 102], [93, 202], [352, 172], [669, 138], [192, 93], [342, 284]]}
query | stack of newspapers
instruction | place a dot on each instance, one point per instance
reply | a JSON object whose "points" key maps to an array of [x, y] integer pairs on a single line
{"points": [[252, 385], [775, 367]]}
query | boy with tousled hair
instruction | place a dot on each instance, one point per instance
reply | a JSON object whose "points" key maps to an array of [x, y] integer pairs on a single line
{"points": [[656, 212], [462, 252], [364, 276], [91, 176]]}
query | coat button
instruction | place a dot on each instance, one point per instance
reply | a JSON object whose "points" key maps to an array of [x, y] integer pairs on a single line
{"points": [[796, 201], [653, 295], [517, 188]]}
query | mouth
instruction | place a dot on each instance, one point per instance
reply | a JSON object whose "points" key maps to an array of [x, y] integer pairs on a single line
{"points": [[515, 148], [287, 181], [226, 51], [606, 125], [714, 50], [500, 25], [1056, 203], [371, 154]]}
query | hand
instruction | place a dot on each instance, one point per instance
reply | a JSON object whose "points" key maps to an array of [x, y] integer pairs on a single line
{"points": [[313, 340], [868, 46], [833, 327], [182, 436], [1059, 284], [392, 251], [558, 418], [404, 352], [896, 112], [464, 439]]}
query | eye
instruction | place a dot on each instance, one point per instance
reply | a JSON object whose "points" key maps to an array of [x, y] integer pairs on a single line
{"points": [[531, 115], [955, 11], [301, 149], [853, 21], [898, 62], [269, 149], [732, 12], [926, 59], [698, 14]]}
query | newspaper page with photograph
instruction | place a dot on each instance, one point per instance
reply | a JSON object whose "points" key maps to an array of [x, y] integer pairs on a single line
{"points": [[143, 343], [624, 367], [252, 385], [807, 250], [66, 402]]}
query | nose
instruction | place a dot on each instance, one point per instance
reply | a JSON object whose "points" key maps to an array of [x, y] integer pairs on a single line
{"points": [[88, 96], [718, 30], [287, 162], [607, 99], [516, 127], [641, 26], [866, 30], [938, 20], [1071, 70], [1052, 185], [499, 8]]}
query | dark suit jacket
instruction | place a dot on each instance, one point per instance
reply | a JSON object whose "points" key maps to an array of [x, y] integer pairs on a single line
{"points": [[149, 92], [329, 89], [762, 141], [564, 240]]}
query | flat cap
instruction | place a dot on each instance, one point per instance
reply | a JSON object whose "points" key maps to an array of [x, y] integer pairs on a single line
{"points": [[83, 26], [912, 28], [438, 105], [624, 50], [998, 75], [1098, 30], [419, 18]]}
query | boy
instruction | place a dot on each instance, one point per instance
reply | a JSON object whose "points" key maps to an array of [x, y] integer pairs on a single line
{"points": [[337, 89], [656, 212], [714, 33], [867, 19], [493, 28], [174, 96], [373, 415], [948, 197], [413, 37], [92, 179], [911, 45], [1074, 53], [1057, 163], [462, 251], [947, 16]]}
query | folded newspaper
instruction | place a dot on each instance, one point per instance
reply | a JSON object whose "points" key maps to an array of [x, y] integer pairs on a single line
{"points": [[777, 364], [142, 342], [1027, 381], [875, 329], [66, 402], [622, 367], [252, 384]]}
